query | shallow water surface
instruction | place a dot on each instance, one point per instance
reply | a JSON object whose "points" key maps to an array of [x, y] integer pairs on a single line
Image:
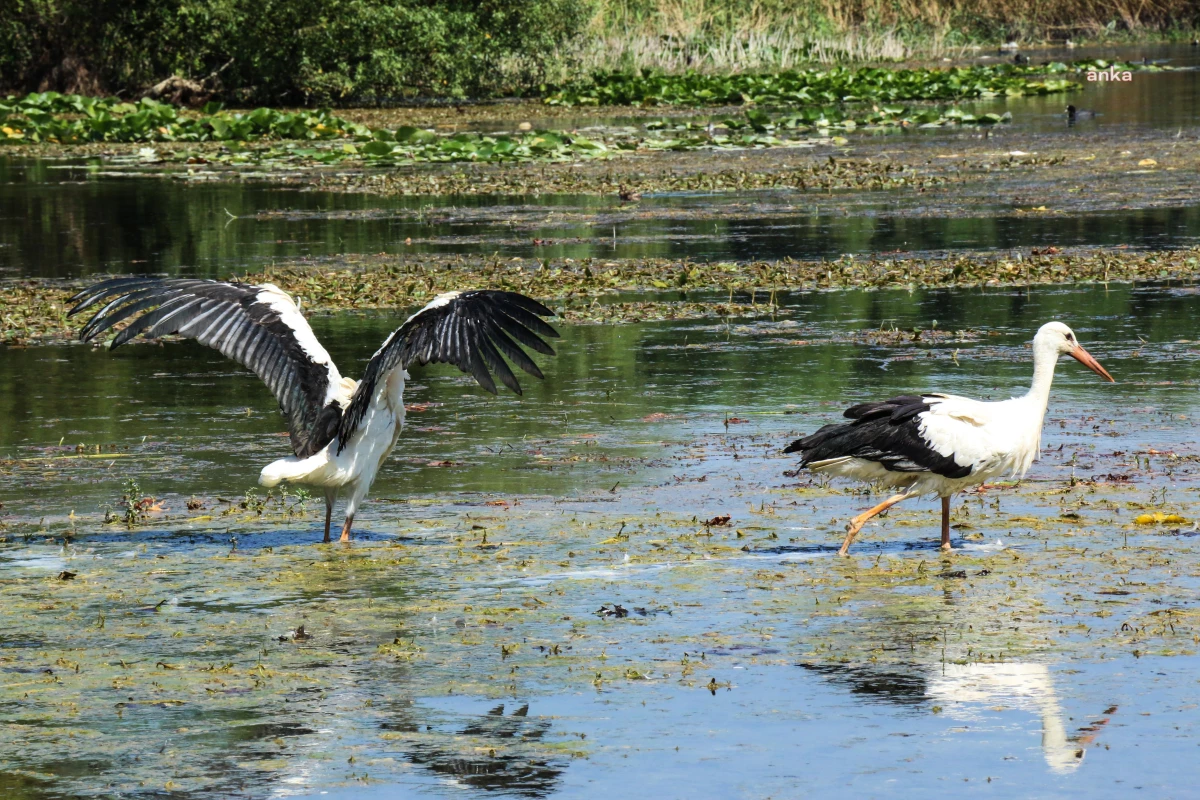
{"points": [[543, 599]]}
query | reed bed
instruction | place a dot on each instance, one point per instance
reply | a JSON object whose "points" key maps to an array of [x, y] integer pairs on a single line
{"points": [[734, 35]]}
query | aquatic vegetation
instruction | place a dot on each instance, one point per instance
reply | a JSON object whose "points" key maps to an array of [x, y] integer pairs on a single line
{"points": [[38, 118], [687, 170], [264, 663], [136, 506], [804, 87], [836, 117], [74, 119], [409, 146], [1100, 65], [590, 290]]}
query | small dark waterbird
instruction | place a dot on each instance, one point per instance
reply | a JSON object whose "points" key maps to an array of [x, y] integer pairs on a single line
{"points": [[1074, 113], [341, 430], [940, 444]]}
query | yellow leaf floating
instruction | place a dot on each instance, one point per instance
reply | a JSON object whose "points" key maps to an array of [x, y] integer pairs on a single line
{"points": [[1147, 162], [1158, 518]]}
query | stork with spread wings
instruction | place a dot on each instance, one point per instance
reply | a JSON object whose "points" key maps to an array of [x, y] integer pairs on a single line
{"points": [[341, 430]]}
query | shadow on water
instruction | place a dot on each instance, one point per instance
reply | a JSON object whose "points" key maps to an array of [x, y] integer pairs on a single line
{"points": [[490, 752]]}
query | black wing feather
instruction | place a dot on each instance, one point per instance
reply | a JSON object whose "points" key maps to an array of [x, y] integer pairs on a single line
{"points": [[509, 348], [472, 330], [229, 317], [887, 432], [496, 362]]}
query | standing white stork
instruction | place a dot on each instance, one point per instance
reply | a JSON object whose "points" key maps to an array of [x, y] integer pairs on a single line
{"points": [[939, 443], [341, 430]]}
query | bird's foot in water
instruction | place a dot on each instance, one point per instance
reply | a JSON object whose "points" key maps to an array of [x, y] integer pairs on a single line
{"points": [[852, 528]]}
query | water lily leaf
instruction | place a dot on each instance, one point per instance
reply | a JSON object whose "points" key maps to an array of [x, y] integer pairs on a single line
{"points": [[759, 120], [411, 135], [377, 148]]}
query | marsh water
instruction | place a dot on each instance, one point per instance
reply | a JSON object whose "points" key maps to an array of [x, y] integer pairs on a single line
{"points": [[456, 649], [58, 222], [60, 218], [544, 597]]}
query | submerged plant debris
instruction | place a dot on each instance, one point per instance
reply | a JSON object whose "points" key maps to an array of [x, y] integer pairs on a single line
{"points": [[598, 290]]}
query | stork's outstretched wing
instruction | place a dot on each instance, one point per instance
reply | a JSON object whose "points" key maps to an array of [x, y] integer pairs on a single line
{"points": [[467, 329], [259, 327]]}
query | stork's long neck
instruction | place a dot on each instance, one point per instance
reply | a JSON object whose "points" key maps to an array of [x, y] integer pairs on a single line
{"points": [[1044, 361]]}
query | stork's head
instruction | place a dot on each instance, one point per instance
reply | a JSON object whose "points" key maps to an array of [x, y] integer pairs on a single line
{"points": [[1060, 340]]}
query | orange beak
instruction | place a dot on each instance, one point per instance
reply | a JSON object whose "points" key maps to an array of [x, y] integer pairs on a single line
{"points": [[1085, 358]]}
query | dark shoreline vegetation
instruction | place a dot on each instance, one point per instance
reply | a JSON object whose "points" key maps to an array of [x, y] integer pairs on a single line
{"points": [[315, 52], [597, 290], [300, 51]]}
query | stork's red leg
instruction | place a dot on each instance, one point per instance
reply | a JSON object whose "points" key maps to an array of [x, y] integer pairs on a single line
{"points": [[346, 529], [945, 523], [856, 524]]}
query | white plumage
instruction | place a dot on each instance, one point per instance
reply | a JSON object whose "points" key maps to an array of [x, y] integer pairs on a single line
{"points": [[341, 430], [938, 444], [352, 470]]}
